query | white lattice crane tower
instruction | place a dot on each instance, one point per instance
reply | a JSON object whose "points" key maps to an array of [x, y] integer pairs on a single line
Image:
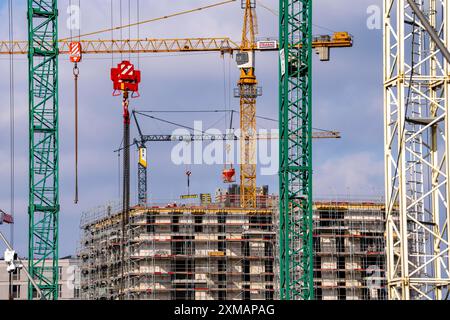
{"points": [[416, 142]]}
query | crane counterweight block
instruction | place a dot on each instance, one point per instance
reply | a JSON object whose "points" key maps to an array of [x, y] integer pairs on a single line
{"points": [[125, 78]]}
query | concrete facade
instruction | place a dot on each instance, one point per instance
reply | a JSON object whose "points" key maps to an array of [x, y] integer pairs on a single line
{"points": [[68, 281]]}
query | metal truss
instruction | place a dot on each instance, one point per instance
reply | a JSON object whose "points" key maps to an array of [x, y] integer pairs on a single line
{"points": [[142, 185], [44, 156], [416, 142], [296, 227]]}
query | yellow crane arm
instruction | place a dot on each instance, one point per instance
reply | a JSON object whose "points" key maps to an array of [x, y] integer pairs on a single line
{"points": [[132, 45], [224, 44]]}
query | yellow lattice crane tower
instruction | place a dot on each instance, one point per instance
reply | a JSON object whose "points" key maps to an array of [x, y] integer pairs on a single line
{"points": [[248, 91]]}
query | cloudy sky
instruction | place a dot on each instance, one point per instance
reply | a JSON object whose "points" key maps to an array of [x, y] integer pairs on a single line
{"points": [[347, 97]]}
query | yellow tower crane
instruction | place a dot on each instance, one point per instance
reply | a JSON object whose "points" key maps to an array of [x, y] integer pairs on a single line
{"points": [[248, 91]]}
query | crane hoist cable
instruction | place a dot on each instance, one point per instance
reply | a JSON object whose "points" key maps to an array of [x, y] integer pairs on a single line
{"points": [[145, 113], [125, 80], [276, 13], [155, 19], [129, 19], [121, 26], [75, 57], [121, 147], [12, 134], [112, 31], [12, 115], [169, 122], [76, 73], [228, 173], [138, 29]]}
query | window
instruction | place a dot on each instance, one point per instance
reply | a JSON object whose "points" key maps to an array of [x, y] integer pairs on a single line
{"points": [[76, 293], [35, 294], [151, 219], [175, 224], [221, 220], [222, 245], [59, 290], [60, 271], [269, 292], [16, 275], [246, 289], [198, 224], [222, 295], [16, 291], [183, 292], [261, 222]]}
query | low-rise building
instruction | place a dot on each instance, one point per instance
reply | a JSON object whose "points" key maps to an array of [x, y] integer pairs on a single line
{"points": [[68, 286]]}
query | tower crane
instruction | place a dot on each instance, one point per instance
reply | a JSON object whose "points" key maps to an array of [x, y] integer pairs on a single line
{"points": [[416, 67], [43, 48], [247, 92], [126, 81], [296, 217], [143, 139]]}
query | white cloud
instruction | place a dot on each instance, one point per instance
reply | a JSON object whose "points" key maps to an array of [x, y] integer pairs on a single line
{"points": [[355, 174]]}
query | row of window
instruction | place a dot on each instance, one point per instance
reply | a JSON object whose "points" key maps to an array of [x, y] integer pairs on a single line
{"points": [[16, 292], [255, 222], [16, 274]]}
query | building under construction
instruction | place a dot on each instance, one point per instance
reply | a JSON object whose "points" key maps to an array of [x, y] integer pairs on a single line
{"points": [[201, 252], [217, 250], [349, 251]]}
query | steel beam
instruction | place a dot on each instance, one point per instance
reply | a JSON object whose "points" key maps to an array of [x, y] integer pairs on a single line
{"points": [[416, 144], [43, 205], [296, 226]]}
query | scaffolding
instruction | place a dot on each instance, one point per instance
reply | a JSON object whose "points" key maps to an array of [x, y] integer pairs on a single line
{"points": [[221, 251], [349, 251], [192, 252]]}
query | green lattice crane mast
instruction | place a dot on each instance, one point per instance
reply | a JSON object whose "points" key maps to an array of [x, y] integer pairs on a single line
{"points": [[296, 226], [43, 207]]}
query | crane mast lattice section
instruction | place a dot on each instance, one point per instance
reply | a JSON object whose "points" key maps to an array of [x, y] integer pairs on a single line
{"points": [[416, 142], [43, 208], [296, 225], [248, 92]]}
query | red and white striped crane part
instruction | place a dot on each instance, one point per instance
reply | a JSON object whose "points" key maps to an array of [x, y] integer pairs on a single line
{"points": [[75, 52]]}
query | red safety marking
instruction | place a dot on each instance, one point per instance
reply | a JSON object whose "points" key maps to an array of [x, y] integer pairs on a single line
{"points": [[75, 52]]}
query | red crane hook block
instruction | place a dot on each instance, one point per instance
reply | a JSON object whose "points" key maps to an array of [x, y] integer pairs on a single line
{"points": [[126, 78]]}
